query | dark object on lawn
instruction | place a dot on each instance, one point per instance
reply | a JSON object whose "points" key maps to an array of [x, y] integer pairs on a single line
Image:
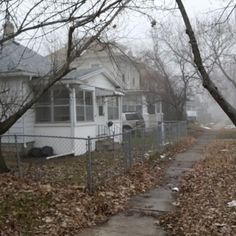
{"points": [[35, 152], [47, 151]]}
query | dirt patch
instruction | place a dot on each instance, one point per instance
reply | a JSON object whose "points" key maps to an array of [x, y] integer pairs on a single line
{"points": [[205, 193]]}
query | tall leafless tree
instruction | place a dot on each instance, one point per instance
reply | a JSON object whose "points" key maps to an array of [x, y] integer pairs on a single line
{"points": [[206, 80], [172, 61]]}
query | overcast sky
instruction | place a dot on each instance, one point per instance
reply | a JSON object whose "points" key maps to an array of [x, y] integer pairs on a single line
{"points": [[137, 31], [134, 29]]}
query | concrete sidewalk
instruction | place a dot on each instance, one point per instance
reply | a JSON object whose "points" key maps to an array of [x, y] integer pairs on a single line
{"points": [[144, 209]]}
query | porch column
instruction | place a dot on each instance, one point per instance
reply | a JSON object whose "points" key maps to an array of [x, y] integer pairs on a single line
{"points": [[145, 111], [73, 116]]}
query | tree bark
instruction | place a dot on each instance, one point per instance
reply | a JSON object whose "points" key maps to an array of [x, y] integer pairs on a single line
{"points": [[3, 166], [206, 81]]}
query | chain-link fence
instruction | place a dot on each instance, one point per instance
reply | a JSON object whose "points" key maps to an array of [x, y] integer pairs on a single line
{"points": [[87, 162]]}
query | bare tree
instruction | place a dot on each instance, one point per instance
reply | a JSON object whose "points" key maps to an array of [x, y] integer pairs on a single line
{"points": [[172, 61], [206, 80], [219, 42], [90, 18]]}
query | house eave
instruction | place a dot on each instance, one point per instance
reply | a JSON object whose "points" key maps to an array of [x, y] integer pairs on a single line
{"points": [[16, 73]]}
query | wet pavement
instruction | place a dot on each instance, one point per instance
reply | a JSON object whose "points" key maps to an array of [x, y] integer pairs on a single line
{"points": [[142, 217]]}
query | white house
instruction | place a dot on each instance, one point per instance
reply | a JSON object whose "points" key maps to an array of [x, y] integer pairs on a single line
{"points": [[79, 106]]}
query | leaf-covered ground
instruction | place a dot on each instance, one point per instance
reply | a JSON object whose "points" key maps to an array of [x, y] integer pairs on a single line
{"points": [[29, 207], [204, 194]]}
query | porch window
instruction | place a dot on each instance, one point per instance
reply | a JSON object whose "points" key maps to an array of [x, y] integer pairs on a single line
{"points": [[53, 106], [84, 105], [61, 104], [113, 108]]}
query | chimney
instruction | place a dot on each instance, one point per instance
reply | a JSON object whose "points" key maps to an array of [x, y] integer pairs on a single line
{"points": [[8, 29]]}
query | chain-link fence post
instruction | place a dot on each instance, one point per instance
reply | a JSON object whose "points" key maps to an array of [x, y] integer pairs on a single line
{"points": [[89, 166], [113, 143], [130, 162], [158, 137], [18, 157], [143, 146], [124, 145], [185, 128], [178, 130]]}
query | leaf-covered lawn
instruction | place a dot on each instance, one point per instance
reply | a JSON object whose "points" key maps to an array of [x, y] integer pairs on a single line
{"points": [[227, 134], [205, 192], [29, 207]]}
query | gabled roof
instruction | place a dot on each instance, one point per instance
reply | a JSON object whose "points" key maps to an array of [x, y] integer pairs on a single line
{"points": [[15, 57], [82, 74]]}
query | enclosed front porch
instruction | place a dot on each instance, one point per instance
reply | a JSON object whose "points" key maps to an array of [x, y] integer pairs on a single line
{"points": [[78, 110]]}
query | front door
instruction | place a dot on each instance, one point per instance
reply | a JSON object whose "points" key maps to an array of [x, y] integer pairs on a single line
{"points": [[101, 116]]}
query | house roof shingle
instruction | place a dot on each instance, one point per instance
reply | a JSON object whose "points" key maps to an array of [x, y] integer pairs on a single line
{"points": [[15, 57]]}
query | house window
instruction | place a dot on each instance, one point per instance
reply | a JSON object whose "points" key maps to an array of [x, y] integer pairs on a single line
{"points": [[113, 108], [53, 106], [43, 108], [61, 104], [151, 108], [158, 107], [100, 106], [132, 104], [123, 78], [84, 105]]}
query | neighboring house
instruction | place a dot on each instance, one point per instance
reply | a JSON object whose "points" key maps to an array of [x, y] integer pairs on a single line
{"points": [[80, 105], [191, 110], [18, 66], [129, 73]]}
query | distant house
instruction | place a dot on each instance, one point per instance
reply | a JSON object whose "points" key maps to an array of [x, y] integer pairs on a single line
{"points": [[80, 105], [191, 111]]}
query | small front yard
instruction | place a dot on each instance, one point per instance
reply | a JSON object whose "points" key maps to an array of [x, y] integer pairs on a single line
{"points": [[53, 206]]}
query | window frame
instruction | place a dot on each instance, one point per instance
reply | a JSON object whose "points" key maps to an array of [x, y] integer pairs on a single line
{"points": [[85, 107], [52, 105]]}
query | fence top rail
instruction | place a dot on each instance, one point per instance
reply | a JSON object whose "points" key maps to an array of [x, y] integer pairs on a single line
{"points": [[175, 121], [39, 136], [87, 138], [106, 136], [60, 137]]}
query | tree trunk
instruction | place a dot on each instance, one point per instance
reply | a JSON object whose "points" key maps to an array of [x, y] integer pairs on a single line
{"points": [[206, 81], [3, 166]]}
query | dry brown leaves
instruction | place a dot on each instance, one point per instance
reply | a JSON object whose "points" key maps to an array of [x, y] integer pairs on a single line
{"points": [[45, 210], [205, 193], [180, 146], [33, 208]]}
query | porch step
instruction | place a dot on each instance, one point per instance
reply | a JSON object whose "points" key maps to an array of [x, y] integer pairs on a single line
{"points": [[107, 145]]}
